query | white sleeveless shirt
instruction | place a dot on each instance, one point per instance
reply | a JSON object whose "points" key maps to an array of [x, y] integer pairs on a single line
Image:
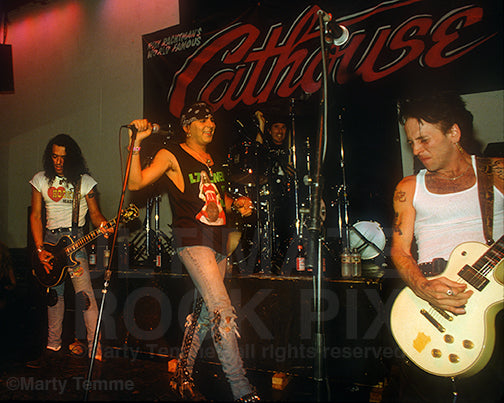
{"points": [[443, 221]]}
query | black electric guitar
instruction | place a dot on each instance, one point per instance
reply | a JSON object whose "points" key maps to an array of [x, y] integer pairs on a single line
{"points": [[63, 252], [446, 344]]}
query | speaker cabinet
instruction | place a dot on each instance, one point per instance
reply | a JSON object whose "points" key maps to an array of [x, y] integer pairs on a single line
{"points": [[6, 69]]}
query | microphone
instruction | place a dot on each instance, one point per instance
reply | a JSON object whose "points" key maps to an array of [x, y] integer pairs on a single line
{"points": [[163, 130], [326, 17], [334, 33]]}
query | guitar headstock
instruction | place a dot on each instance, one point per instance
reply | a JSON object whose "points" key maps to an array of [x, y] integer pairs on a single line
{"points": [[129, 214]]}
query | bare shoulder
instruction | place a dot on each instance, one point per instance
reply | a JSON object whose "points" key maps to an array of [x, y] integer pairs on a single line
{"points": [[405, 189], [165, 158]]}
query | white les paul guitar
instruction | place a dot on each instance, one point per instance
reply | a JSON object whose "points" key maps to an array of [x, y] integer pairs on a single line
{"points": [[446, 344]]}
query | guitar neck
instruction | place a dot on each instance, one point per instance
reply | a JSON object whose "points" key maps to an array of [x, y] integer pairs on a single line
{"points": [[81, 242], [477, 273]]}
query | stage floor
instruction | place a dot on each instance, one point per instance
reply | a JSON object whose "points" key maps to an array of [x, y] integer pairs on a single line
{"points": [[273, 304], [147, 379]]}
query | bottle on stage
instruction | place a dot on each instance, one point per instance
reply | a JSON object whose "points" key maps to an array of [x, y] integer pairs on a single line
{"points": [[92, 255], [346, 264], [300, 259], [356, 263]]}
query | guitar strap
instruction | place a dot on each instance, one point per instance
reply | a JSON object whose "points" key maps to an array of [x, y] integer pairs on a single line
{"points": [[486, 196], [75, 207]]}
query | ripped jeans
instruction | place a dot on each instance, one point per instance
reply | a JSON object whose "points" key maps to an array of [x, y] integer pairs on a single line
{"points": [[84, 295], [207, 270]]}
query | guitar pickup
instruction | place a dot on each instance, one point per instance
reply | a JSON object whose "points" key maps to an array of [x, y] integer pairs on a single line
{"points": [[442, 312], [433, 321]]}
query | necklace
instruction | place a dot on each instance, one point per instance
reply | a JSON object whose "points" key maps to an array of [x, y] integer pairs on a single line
{"points": [[207, 160], [455, 177]]}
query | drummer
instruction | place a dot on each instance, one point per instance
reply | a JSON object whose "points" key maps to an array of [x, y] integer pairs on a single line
{"points": [[281, 175]]}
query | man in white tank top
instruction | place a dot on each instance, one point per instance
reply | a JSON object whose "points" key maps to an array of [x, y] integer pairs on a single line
{"points": [[438, 209]]}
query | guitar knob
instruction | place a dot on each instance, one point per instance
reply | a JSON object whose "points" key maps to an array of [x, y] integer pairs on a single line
{"points": [[436, 353], [454, 358], [468, 344], [448, 339]]}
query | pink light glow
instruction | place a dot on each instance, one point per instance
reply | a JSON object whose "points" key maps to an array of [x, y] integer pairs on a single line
{"points": [[51, 24]]}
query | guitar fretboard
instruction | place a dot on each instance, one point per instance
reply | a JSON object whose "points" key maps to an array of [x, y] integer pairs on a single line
{"points": [[476, 275], [87, 238]]}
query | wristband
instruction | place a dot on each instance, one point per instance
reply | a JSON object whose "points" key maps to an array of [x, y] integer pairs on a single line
{"points": [[40, 248], [136, 149]]}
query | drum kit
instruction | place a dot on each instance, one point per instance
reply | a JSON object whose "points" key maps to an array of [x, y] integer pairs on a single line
{"points": [[255, 242], [247, 165], [267, 240]]}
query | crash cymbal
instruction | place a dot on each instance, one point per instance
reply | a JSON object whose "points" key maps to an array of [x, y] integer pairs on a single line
{"points": [[249, 179]]}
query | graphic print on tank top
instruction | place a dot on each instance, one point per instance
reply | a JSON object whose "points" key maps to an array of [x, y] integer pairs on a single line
{"points": [[212, 212]]}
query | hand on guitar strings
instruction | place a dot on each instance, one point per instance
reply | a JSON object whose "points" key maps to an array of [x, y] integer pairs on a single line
{"points": [[46, 259], [446, 294]]}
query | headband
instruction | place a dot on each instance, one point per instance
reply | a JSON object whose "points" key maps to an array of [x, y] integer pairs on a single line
{"points": [[197, 111]]}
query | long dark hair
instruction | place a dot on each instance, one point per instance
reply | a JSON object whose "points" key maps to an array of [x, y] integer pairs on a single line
{"points": [[75, 164]]}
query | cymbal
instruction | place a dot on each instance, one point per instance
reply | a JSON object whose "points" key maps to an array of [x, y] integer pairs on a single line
{"points": [[249, 179]]}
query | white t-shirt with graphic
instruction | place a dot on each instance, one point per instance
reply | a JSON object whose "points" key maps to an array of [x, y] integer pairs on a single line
{"points": [[58, 198]]}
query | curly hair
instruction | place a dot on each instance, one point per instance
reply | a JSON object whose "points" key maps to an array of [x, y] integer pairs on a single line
{"points": [[75, 164]]}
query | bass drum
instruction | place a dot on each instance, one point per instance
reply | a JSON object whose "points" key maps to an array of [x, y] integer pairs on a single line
{"points": [[362, 234]]}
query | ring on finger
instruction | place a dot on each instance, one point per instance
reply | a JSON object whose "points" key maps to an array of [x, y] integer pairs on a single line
{"points": [[449, 292]]}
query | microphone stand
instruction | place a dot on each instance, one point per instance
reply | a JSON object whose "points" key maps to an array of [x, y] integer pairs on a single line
{"points": [[314, 231], [108, 271]]}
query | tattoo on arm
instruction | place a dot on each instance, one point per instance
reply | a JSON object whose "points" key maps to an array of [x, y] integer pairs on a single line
{"points": [[397, 225], [400, 196]]}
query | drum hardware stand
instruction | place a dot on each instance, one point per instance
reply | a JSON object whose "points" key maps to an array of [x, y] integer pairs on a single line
{"points": [[264, 231], [144, 242], [264, 227], [294, 164], [344, 226]]}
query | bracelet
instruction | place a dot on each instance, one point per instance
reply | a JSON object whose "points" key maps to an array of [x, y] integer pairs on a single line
{"points": [[136, 149], [40, 248]]}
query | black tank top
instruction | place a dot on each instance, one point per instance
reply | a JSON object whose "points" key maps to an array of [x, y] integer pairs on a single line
{"points": [[199, 215]]}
